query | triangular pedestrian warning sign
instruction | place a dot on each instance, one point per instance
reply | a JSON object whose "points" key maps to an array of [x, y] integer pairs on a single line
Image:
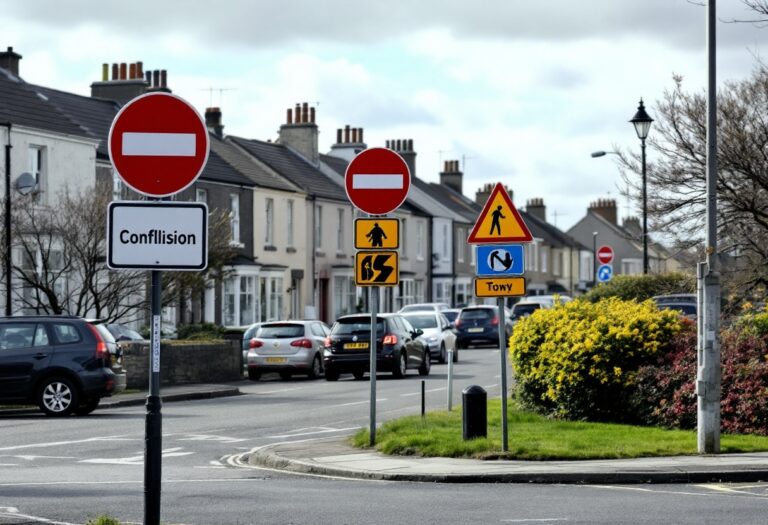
{"points": [[499, 221]]}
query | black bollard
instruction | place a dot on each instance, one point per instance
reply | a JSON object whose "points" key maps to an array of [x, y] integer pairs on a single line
{"points": [[474, 415]]}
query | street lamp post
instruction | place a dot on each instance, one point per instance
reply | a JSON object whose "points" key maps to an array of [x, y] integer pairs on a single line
{"points": [[7, 261], [642, 123]]}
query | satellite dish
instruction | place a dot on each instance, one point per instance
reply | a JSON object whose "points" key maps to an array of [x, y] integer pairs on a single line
{"points": [[26, 183]]}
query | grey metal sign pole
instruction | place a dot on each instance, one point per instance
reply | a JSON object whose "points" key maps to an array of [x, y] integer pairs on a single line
{"points": [[503, 353], [374, 300], [708, 377], [153, 435], [450, 379]]}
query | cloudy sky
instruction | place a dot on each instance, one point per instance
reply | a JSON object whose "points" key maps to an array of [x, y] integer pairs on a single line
{"points": [[520, 91]]}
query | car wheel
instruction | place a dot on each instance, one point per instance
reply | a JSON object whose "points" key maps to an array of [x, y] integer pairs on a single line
{"points": [[402, 367], [331, 375], [285, 375], [442, 356], [58, 397], [358, 374], [88, 406], [426, 364], [253, 374], [317, 368]]}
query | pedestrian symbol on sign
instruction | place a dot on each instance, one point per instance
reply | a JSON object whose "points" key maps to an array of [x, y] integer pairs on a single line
{"points": [[376, 235]]}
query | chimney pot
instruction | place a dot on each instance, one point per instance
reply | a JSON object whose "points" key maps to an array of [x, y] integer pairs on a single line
{"points": [[360, 135], [305, 113], [163, 78], [104, 72], [354, 135], [156, 78], [140, 70], [346, 134], [131, 71], [339, 132], [123, 70], [312, 115], [289, 116]]}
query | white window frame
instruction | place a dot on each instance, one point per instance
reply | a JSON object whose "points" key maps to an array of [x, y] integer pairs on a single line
{"points": [[289, 220], [269, 221], [318, 233], [462, 246], [36, 163], [234, 219], [544, 258], [420, 240], [340, 231], [201, 195]]}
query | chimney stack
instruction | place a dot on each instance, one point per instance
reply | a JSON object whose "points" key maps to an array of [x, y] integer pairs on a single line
{"points": [[404, 148], [606, 208], [126, 83], [301, 133], [349, 142], [536, 208], [213, 121], [9, 60], [451, 176], [632, 225]]}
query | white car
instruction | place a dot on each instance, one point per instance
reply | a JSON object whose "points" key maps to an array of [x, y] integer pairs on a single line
{"points": [[287, 347], [421, 307], [438, 333]]}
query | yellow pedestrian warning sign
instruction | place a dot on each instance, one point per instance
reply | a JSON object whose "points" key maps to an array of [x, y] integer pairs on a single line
{"points": [[377, 268], [377, 234], [499, 222], [499, 286]]}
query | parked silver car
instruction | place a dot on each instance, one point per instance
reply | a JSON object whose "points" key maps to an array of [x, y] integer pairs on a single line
{"points": [[420, 307], [438, 333], [288, 347]]}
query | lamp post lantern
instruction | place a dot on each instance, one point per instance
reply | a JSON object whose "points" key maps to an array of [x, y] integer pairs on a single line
{"points": [[642, 123]]}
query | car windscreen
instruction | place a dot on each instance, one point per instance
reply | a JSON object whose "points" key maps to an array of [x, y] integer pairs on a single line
{"points": [[280, 331], [422, 320], [451, 316], [415, 308], [520, 310], [477, 313], [357, 326]]}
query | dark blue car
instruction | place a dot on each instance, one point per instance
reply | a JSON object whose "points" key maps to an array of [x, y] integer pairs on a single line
{"points": [[479, 325]]}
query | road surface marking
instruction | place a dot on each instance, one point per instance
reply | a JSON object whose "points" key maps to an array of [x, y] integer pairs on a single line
{"points": [[325, 431], [58, 443], [278, 391], [13, 512], [158, 144], [419, 393], [209, 437], [136, 460], [534, 520], [357, 403]]}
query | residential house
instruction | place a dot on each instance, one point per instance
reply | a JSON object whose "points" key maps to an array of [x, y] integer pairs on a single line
{"points": [[327, 214], [414, 263]]}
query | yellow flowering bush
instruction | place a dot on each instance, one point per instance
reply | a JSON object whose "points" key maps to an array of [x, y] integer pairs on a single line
{"points": [[579, 360]]}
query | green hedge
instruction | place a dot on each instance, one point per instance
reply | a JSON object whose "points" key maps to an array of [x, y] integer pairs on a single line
{"points": [[642, 287]]}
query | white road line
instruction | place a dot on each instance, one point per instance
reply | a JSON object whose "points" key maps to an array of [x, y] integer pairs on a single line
{"points": [[377, 181], [325, 431], [729, 490], [419, 393], [158, 144], [58, 443], [278, 391], [358, 403], [490, 386], [13, 512], [208, 437], [534, 520]]}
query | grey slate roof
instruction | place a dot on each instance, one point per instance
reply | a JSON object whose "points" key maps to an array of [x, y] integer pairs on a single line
{"points": [[292, 167], [93, 114], [219, 170], [23, 105], [242, 163], [452, 199]]}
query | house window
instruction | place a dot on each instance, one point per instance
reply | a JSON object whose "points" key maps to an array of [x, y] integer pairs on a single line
{"points": [[269, 224], [36, 168], [289, 219], [419, 291], [340, 232], [445, 242], [544, 257], [557, 263], [420, 240], [461, 245], [247, 296], [631, 266], [201, 195], [461, 294], [228, 313], [344, 297], [406, 293], [318, 227], [276, 298], [234, 217], [472, 255]]}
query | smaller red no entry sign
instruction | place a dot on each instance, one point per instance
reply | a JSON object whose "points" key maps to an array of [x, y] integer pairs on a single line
{"points": [[158, 144], [605, 254], [377, 181]]}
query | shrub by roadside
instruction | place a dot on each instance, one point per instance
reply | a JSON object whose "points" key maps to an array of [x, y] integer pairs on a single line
{"points": [[580, 360], [667, 388], [642, 287]]}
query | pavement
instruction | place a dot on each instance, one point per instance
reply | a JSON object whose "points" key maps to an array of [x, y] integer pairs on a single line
{"points": [[335, 457]]}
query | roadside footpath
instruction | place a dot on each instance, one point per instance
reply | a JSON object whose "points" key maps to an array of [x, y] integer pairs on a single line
{"points": [[334, 457]]}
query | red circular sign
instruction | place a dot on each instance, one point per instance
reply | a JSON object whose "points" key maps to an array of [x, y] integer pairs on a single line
{"points": [[158, 144], [377, 181], [605, 254]]}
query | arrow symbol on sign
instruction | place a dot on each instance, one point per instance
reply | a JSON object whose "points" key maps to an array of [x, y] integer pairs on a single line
{"points": [[384, 271]]}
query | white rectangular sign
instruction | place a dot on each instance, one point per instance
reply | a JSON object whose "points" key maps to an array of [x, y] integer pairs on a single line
{"points": [[161, 235]]}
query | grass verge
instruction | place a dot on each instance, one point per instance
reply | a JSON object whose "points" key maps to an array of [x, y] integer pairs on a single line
{"points": [[534, 437]]}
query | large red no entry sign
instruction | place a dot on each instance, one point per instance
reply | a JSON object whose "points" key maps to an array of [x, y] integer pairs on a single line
{"points": [[377, 181], [158, 144], [605, 254]]}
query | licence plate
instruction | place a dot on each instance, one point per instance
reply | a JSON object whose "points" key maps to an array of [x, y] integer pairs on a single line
{"points": [[276, 359], [353, 346], [475, 330]]}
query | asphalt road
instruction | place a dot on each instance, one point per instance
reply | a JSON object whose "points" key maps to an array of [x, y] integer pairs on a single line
{"points": [[68, 470]]}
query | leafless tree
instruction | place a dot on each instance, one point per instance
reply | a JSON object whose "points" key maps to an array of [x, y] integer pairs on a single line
{"points": [[677, 173]]}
